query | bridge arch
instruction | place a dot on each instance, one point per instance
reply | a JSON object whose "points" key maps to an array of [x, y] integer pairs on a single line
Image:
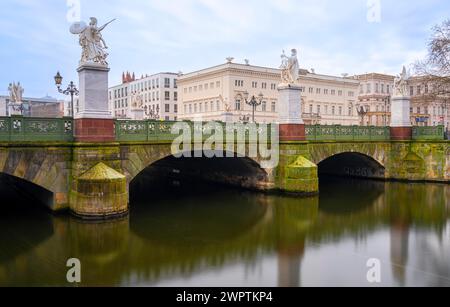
{"points": [[40, 171], [224, 168], [353, 164]]}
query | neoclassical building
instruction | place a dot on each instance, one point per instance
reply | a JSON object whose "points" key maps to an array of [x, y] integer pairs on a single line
{"points": [[157, 94], [218, 93]]}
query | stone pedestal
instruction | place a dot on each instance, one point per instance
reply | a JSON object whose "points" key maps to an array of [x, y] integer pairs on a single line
{"points": [[99, 193], [401, 128], [137, 114], [292, 127], [94, 121]]}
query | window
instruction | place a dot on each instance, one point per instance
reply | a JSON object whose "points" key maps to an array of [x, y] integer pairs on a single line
{"points": [[419, 90], [185, 90], [264, 106], [175, 96], [237, 106], [195, 108], [190, 109], [217, 105], [206, 107], [388, 89], [185, 109], [212, 106], [411, 90], [167, 82], [200, 107], [333, 92], [325, 91], [238, 83], [318, 109], [351, 94], [153, 84], [318, 91], [167, 118], [175, 108], [377, 88], [175, 83], [333, 110], [382, 88], [211, 85], [264, 85], [339, 93], [218, 84], [350, 111], [311, 109], [369, 88], [167, 108], [274, 107], [311, 90], [200, 87], [206, 86], [254, 84], [190, 89], [340, 110], [167, 95]]}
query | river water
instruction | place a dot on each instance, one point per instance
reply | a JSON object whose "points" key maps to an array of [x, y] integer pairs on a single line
{"points": [[200, 235]]}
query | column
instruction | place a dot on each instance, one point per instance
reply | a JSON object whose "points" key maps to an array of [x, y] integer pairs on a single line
{"points": [[292, 127], [401, 128], [94, 121]]}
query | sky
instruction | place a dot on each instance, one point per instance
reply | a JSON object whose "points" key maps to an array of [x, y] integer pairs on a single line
{"points": [[151, 36]]}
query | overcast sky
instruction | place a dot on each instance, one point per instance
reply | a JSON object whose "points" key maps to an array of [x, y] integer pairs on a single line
{"points": [[150, 36]]}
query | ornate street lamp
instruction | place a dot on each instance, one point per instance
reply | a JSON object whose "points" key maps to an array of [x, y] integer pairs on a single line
{"points": [[71, 90], [254, 102], [244, 118], [362, 112], [151, 113]]}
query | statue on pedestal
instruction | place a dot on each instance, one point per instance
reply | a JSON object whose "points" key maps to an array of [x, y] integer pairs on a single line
{"points": [[401, 84], [290, 68], [91, 41]]}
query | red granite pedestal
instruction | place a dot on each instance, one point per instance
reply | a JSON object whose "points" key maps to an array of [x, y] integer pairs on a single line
{"points": [[401, 133], [292, 132], [94, 130]]}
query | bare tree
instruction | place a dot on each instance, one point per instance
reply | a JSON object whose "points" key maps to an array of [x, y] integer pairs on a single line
{"points": [[435, 69]]}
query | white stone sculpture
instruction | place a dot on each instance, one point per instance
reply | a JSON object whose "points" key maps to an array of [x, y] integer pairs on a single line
{"points": [[15, 92], [91, 41], [401, 84], [290, 68]]}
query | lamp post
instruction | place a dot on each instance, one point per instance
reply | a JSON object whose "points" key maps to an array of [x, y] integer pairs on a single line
{"points": [[254, 102], [71, 90], [244, 119], [151, 113], [362, 113], [387, 101]]}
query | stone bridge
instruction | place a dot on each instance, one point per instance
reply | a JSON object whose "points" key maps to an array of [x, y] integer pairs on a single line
{"points": [[93, 179]]}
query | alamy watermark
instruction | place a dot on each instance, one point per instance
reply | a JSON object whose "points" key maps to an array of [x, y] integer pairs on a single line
{"points": [[374, 273], [374, 11], [74, 11], [74, 273], [213, 139]]}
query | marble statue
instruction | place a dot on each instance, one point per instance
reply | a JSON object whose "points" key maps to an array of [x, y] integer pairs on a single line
{"points": [[15, 92], [401, 84], [290, 68], [91, 41]]}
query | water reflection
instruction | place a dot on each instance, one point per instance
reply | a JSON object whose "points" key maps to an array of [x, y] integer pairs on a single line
{"points": [[203, 235]]}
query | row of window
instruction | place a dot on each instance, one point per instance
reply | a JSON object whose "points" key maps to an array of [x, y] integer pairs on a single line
{"points": [[326, 92], [202, 107], [202, 87], [379, 88], [437, 111], [331, 110], [263, 107]]}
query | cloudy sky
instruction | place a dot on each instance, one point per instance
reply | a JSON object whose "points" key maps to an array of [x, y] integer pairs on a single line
{"points": [[150, 36]]}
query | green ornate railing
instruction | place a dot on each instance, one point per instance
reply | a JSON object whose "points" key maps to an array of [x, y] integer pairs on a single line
{"points": [[150, 130], [429, 133], [347, 133], [24, 129]]}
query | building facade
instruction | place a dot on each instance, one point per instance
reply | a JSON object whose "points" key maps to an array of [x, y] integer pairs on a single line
{"points": [[218, 93], [155, 97], [36, 107], [375, 95]]}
